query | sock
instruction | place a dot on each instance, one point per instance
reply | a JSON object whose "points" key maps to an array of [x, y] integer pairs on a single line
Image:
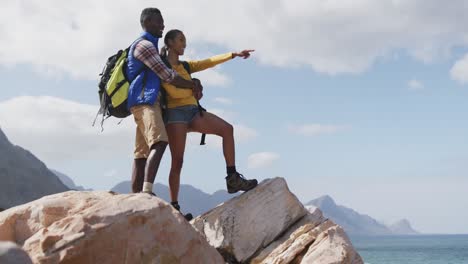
{"points": [[147, 187], [231, 169]]}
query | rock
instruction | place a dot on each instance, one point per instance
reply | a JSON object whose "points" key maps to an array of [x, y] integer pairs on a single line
{"points": [[192, 200], [403, 227], [245, 224], [331, 245], [294, 241], [10, 253], [101, 227], [269, 225]]}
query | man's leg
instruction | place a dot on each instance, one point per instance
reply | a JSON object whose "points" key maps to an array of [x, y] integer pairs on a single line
{"points": [[156, 137], [138, 174], [152, 165], [139, 163]]}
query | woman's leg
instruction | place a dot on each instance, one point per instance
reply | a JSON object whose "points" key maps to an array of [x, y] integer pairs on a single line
{"points": [[177, 134], [214, 125]]}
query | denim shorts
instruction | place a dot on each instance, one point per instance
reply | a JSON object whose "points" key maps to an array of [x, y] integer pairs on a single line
{"points": [[181, 114]]}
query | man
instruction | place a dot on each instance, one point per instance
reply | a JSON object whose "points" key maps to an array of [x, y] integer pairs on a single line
{"points": [[146, 69]]}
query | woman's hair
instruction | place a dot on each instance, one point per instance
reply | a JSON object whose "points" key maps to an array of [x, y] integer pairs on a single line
{"points": [[170, 35]]}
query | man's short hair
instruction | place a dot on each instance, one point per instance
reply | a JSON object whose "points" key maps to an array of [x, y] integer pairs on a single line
{"points": [[147, 13]]}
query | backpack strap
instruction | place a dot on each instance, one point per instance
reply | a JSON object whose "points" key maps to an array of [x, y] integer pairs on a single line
{"points": [[201, 109], [186, 66]]}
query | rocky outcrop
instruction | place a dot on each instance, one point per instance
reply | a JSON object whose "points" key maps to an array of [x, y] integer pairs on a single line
{"points": [[101, 227], [263, 226], [269, 225], [191, 199], [403, 227], [10, 253]]}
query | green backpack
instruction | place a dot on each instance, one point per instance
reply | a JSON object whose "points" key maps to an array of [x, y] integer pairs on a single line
{"points": [[113, 87]]}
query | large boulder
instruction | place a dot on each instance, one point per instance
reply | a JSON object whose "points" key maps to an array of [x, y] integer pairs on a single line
{"points": [[312, 240], [270, 225], [10, 253], [263, 226], [102, 227], [245, 224]]}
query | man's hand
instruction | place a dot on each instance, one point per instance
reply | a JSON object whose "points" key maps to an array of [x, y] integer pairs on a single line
{"points": [[198, 89], [243, 54]]}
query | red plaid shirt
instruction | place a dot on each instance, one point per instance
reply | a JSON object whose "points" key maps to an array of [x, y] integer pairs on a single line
{"points": [[147, 53]]}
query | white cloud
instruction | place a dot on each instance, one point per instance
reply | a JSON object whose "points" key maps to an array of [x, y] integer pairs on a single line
{"points": [[229, 116], [415, 85], [242, 134], [212, 77], [223, 100], [328, 36], [111, 173], [57, 129], [459, 71], [262, 159], [315, 129], [209, 77]]}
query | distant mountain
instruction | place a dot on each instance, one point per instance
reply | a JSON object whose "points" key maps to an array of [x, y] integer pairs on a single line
{"points": [[68, 181], [23, 177], [352, 222], [191, 199], [403, 227]]}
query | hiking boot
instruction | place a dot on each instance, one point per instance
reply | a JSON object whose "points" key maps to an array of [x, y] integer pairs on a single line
{"points": [[176, 206], [236, 182]]}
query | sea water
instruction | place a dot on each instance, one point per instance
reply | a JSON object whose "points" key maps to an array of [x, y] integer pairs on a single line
{"points": [[418, 249]]}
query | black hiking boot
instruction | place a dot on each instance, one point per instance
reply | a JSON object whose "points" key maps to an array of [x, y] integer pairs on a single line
{"points": [[176, 206], [236, 182]]}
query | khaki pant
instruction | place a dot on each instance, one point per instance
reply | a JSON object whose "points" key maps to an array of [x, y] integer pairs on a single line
{"points": [[150, 128]]}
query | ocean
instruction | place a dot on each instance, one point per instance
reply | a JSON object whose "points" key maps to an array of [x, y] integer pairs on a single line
{"points": [[418, 249]]}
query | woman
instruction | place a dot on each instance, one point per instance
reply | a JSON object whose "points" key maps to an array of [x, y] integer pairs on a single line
{"points": [[182, 115]]}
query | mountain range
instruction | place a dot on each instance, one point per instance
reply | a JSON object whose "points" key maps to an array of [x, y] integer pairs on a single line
{"points": [[24, 178], [359, 224]]}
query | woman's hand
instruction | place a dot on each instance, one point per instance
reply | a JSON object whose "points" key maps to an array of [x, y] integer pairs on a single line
{"points": [[243, 54]]}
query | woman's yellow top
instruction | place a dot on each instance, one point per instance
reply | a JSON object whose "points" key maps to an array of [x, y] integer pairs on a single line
{"points": [[180, 97]]}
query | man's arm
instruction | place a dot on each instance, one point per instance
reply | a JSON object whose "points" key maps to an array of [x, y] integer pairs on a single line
{"points": [[147, 53], [181, 82]]}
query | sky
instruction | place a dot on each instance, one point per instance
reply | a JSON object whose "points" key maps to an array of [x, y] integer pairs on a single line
{"points": [[361, 100]]}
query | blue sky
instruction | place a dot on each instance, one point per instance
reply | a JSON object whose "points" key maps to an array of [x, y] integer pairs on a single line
{"points": [[360, 100]]}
